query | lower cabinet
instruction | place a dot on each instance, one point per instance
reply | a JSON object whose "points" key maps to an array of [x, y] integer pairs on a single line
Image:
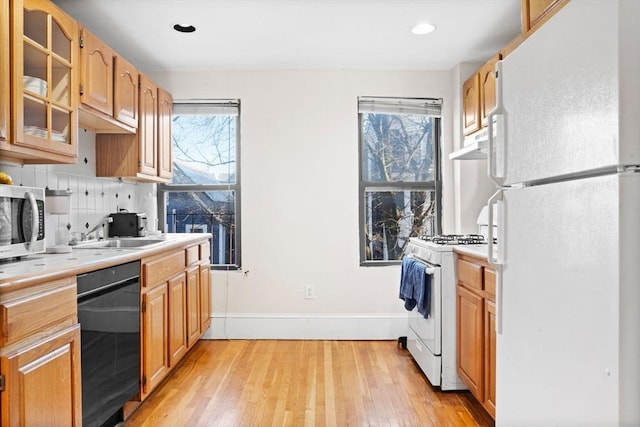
{"points": [[193, 305], [176, 299], [43, 382], [476, 336], [177, 318], [155, 337]]}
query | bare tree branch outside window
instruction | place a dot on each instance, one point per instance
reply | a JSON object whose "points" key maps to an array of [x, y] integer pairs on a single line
{"points": [[398, 181]]}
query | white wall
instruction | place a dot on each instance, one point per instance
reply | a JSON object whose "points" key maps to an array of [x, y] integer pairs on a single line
{"points": [[299, 142]]}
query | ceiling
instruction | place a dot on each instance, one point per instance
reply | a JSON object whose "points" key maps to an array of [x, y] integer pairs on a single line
{"points": [[299, 34]]}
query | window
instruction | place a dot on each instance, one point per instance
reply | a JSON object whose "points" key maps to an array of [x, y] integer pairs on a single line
{"points": [[204, 195], [399, 175]]}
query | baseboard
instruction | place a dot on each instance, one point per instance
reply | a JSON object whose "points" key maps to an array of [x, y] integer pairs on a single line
{"points": [[307, 326]]}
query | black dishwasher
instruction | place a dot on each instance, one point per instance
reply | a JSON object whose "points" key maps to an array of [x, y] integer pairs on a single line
{"points": [[109, 315]]}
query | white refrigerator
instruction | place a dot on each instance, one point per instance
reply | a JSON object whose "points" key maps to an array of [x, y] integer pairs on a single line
{"points": [[565, 154]]}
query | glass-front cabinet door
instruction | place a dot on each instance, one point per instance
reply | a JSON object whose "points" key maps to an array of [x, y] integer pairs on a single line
{"points": [[44, 76]]}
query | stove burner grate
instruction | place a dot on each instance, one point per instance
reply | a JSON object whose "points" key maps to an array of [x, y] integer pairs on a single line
{"points": [[456, 239]]}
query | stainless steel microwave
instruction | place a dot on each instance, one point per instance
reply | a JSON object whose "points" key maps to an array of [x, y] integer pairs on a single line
{"points": [[21, 221]]}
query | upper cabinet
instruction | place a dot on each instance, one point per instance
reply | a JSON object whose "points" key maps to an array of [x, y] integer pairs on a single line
{"points": [[145, 156], [471, 104], [537, 12], [479, 97], [487, 76], [108, 88], [165, 159], [43, 72], [4, 71], [125, 87]]}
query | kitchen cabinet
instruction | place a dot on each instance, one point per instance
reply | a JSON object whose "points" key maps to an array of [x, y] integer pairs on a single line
{"points": [[177, 318], [205, 296], [155, 337], [537, 12], [44, 68], [487, 76], [479, 97], [139, 157], [471, 104], [40, 354], [165, 159], [125, 88], [173, 300], [98, 95], [193, 304], [96, 73], [4, 72], [476, 336]]}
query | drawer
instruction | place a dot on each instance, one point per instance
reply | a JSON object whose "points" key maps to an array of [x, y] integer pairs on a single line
{"points": [[25, 316], [158, 270], [469, 274], [192, 254], [490, 283], [205, 251]]}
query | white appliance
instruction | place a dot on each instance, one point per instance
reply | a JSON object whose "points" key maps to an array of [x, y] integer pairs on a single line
{"points": [[432, 340], [566, 151]]}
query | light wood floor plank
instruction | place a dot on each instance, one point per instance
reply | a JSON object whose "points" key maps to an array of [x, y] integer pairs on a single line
{"points": [[303, 383]]}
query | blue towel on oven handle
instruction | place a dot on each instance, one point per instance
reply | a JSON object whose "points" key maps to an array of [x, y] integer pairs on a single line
{"points": [[415, 286]]}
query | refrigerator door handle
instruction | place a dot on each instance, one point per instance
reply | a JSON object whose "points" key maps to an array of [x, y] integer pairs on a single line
{"points": [[495, 257], [496, 119]]}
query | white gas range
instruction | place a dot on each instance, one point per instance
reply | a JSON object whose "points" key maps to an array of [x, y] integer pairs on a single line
{"points": [[432, 340]]}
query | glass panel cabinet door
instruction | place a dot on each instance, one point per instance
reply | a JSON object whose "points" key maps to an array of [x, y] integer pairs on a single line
{"points": [[44, 104]]}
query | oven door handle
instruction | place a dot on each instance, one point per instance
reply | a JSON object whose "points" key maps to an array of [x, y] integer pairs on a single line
{"points": [[429, 271]]}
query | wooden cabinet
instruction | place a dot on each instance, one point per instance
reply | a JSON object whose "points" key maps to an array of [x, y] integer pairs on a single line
{"points": [[479, 97], [96, 73], [537, 12], [125, 88], [173, 299], [40, 354], [155, 337], [4, 72], [476, 336], [165, 159], [487, 76], [205, 296], [471, 104], [43, 382], [103, 92], [177, 318], [193, 305], [44, 100], [145, 156]]}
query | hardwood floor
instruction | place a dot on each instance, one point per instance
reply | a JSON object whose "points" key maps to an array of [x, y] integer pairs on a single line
{"points": [[303, 383]]}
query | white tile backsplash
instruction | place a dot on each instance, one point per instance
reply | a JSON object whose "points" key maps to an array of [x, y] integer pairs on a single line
{"points": [[92, 197]]}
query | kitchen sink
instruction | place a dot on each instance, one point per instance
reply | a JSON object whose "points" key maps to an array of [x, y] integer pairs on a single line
{"points": [[121, 243]]}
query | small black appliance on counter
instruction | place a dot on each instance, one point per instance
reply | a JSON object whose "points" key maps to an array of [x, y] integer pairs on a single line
{"points": [[128, 224]]}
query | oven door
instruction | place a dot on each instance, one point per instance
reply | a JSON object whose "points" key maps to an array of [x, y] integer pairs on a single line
{"points": [[429, 330]]}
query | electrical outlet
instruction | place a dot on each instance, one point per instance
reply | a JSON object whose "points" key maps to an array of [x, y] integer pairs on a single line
{"points": [[309, 292]]}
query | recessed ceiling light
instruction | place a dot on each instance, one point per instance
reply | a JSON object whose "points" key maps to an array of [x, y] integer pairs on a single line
{"points": [[423, 28], [184, 28]]}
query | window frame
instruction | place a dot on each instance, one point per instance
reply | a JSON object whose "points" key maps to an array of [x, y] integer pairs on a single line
{"points": [[164, 188], [364, 186]]}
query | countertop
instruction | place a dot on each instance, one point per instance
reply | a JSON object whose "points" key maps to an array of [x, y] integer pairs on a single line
{"points": [[479, 251], [78, 261]]}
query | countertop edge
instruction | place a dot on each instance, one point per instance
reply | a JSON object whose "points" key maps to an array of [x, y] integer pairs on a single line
{"points": [[174, 241]]}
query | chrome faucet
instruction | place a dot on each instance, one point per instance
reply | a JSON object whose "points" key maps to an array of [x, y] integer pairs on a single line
{"points": [[106, 220]]}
